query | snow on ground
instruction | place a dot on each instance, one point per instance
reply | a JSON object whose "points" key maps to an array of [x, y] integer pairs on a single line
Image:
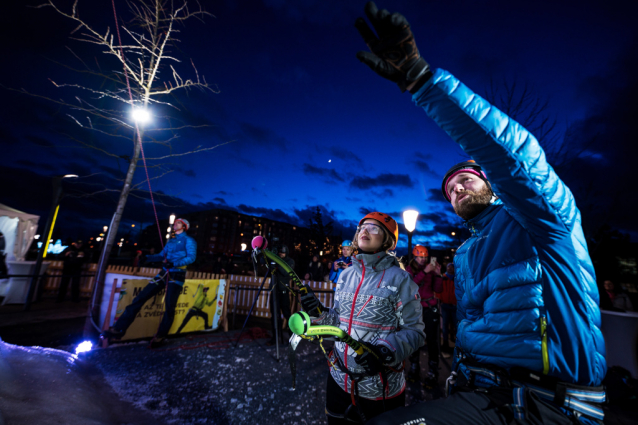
{"points": [[199, 380], [191, 380], [47, 386]]}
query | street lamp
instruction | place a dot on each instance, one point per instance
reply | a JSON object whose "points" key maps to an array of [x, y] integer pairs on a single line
{"points": [[171, 219], [141, 115], [409, 220], [48, 230]]}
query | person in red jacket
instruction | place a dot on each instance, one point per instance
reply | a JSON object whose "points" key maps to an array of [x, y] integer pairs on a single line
{"points": [[427, 275], [448, 309]]}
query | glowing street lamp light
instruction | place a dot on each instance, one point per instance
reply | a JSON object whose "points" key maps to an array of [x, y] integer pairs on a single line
{"points": [[171, 219], [243, 247], [105, 228], [141, 115], [409, 220]]}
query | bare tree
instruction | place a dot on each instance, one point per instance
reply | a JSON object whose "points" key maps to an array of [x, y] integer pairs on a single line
{"points": [[136, 73]]}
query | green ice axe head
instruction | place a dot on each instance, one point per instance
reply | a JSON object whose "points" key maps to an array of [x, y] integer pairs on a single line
{"points": [[301, 324]]}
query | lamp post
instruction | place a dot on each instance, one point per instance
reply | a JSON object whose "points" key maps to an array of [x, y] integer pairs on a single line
{"points": [[48, 231], [409, 220]]}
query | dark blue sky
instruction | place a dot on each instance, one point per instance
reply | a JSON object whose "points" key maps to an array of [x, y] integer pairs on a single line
{"points": [[311, 126]]}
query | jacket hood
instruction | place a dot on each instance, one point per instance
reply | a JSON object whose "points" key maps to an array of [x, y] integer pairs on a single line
{"points": [[377, 262]]}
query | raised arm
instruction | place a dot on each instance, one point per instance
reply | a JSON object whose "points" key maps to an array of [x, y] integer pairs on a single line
{"points": [[511, 157]]}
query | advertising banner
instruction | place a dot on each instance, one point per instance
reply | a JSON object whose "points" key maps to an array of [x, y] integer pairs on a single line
{"points": [[199, 307]]}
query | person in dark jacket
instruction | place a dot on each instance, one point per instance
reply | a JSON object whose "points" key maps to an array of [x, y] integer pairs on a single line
{"points": [[529, 345], [427, 276], [281, 280], [619, 300], [448, 309], [73, 259], [178, 253], [315, 270]]}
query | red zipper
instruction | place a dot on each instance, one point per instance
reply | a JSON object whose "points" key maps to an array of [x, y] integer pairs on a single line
{"points": [[371, 296], [354, 300]]}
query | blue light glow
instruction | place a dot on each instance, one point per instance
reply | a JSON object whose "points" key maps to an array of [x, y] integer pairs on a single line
{"points": [[83, 347]]}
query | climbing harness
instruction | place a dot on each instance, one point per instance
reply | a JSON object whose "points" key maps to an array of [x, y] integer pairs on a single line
{"points": [[579, 400], [301, 325]]}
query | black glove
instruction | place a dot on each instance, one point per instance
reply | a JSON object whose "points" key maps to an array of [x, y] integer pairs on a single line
{"points": [[373, 359], [394, 53], [168, 265], [310, 303]]}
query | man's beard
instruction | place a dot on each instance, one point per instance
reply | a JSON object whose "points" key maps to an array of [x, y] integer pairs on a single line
{"points": [[473, 204]]}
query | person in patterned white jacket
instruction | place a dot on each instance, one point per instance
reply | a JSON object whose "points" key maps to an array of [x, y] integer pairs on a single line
{"points": [[377, 303]]}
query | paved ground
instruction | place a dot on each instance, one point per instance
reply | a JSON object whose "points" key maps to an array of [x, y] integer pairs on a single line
{"points": [[193, 379]]}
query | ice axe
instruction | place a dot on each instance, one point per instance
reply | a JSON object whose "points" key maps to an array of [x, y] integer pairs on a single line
{"points": [[301, 326]]}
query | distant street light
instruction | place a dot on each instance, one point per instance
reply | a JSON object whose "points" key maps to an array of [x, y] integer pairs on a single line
{"points": [[409, 221], [171, 220], [453, 233], [243, 247], [105, 228], [48, 230]]}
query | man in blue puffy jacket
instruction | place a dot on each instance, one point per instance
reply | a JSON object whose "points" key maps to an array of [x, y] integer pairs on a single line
{"points": [[529, 346], [178, 253]]}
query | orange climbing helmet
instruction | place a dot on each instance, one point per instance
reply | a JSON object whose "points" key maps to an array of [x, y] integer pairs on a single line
{"points": [[420, 251], [386, 221]]}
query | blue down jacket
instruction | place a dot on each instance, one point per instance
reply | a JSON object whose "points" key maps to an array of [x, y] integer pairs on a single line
{"points": [[181, 250], [525, 283]]}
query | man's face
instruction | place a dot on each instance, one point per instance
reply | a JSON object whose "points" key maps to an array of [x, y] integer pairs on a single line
{"points": [[609, 285], [450, 268], [178, 225], [282, 254], [469, 195], [346, 251]]}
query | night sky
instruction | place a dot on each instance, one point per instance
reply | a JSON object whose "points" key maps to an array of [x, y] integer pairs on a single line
{"points": [[310, 125]]}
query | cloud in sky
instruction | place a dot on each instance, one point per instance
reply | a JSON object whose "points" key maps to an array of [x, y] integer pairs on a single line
{"points": [[341, 153], [382, 180], [326, 173]]}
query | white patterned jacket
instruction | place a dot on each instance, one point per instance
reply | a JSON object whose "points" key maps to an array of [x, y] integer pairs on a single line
{"points": [[377, 302]]}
